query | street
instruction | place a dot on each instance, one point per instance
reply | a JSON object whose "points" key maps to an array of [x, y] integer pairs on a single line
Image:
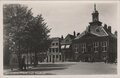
{"points": [[68, 68]]}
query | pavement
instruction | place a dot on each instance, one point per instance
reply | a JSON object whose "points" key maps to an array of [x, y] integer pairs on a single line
{"points": [[67, 68]]}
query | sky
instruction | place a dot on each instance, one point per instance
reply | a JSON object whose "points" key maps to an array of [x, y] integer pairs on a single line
{"points": [[66, 17]]}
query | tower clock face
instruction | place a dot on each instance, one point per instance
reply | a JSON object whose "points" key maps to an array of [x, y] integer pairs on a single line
{"points": [[97, 29]]}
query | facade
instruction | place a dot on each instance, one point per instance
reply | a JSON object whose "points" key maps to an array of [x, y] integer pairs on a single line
{"points": [[66, 48], [96, 43], [54, 52]]}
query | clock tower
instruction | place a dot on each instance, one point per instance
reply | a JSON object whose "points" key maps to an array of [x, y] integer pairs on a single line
{"points": [[95, 17], [95, 14]]}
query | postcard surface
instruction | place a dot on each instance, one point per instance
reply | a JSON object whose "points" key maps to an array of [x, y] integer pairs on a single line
{"points": [[59, 39]]}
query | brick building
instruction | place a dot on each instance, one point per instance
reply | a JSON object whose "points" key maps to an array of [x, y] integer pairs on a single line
{"points": [[96, 43]]}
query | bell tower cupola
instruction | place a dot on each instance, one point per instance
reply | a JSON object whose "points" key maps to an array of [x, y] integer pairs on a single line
{"points": [[95, 18], [95, 14]]}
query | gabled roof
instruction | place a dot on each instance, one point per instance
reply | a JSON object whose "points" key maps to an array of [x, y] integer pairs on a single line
{"points": [[70, 37], [95, 30], [80, 35], [54, 39], [98, 31]]}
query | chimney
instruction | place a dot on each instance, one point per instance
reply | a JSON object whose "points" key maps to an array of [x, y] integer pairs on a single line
{"points": [[105, 26], [115, 33], [78, 34], [109, 29], [74, 34], [62, 37], [88, 28]]}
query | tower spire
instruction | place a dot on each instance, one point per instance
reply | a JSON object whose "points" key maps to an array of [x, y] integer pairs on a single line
{"points": [[95, 7], [95, 14]]}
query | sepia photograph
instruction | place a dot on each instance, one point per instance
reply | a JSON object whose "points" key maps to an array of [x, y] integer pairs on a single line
{"points": [[60, 38]]}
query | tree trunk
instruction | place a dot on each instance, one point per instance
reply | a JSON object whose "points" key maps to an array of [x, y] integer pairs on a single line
{"points": [[19, 55], [36, 59], [6, 55], [19, 60]]}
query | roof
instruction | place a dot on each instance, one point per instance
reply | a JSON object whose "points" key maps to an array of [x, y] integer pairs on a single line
{"points": [[71, 36], [68, 39], [80, 35], [111, 35], [54, 39], [96, 30]]}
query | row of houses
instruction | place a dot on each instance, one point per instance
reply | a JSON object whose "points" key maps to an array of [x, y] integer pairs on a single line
{"points": [[95, 43]]}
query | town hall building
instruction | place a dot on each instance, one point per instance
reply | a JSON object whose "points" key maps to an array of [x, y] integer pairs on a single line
{"points": [[97, 43]]}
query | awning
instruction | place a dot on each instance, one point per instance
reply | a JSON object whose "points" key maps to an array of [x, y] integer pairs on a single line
{"points": [[63, 46], [67, 46]]}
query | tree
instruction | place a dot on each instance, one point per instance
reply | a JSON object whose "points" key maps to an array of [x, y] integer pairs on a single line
{"points": [[15, 19], [23, 32], [39, 36]]}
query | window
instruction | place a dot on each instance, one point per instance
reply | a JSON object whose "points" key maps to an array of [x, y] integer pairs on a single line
{"points": [[53, 44], [56, 49], [53, 56], [56, 44], [76, 49], [53, 50], [104, 46], [83, 46], [60, 57], [95, 46], [67, 46], [50, 58], [56, 56], [76, 46], [49, 49], [63, 46]]}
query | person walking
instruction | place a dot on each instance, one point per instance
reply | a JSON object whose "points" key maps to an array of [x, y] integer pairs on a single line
{"points": [[23, 63]]}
